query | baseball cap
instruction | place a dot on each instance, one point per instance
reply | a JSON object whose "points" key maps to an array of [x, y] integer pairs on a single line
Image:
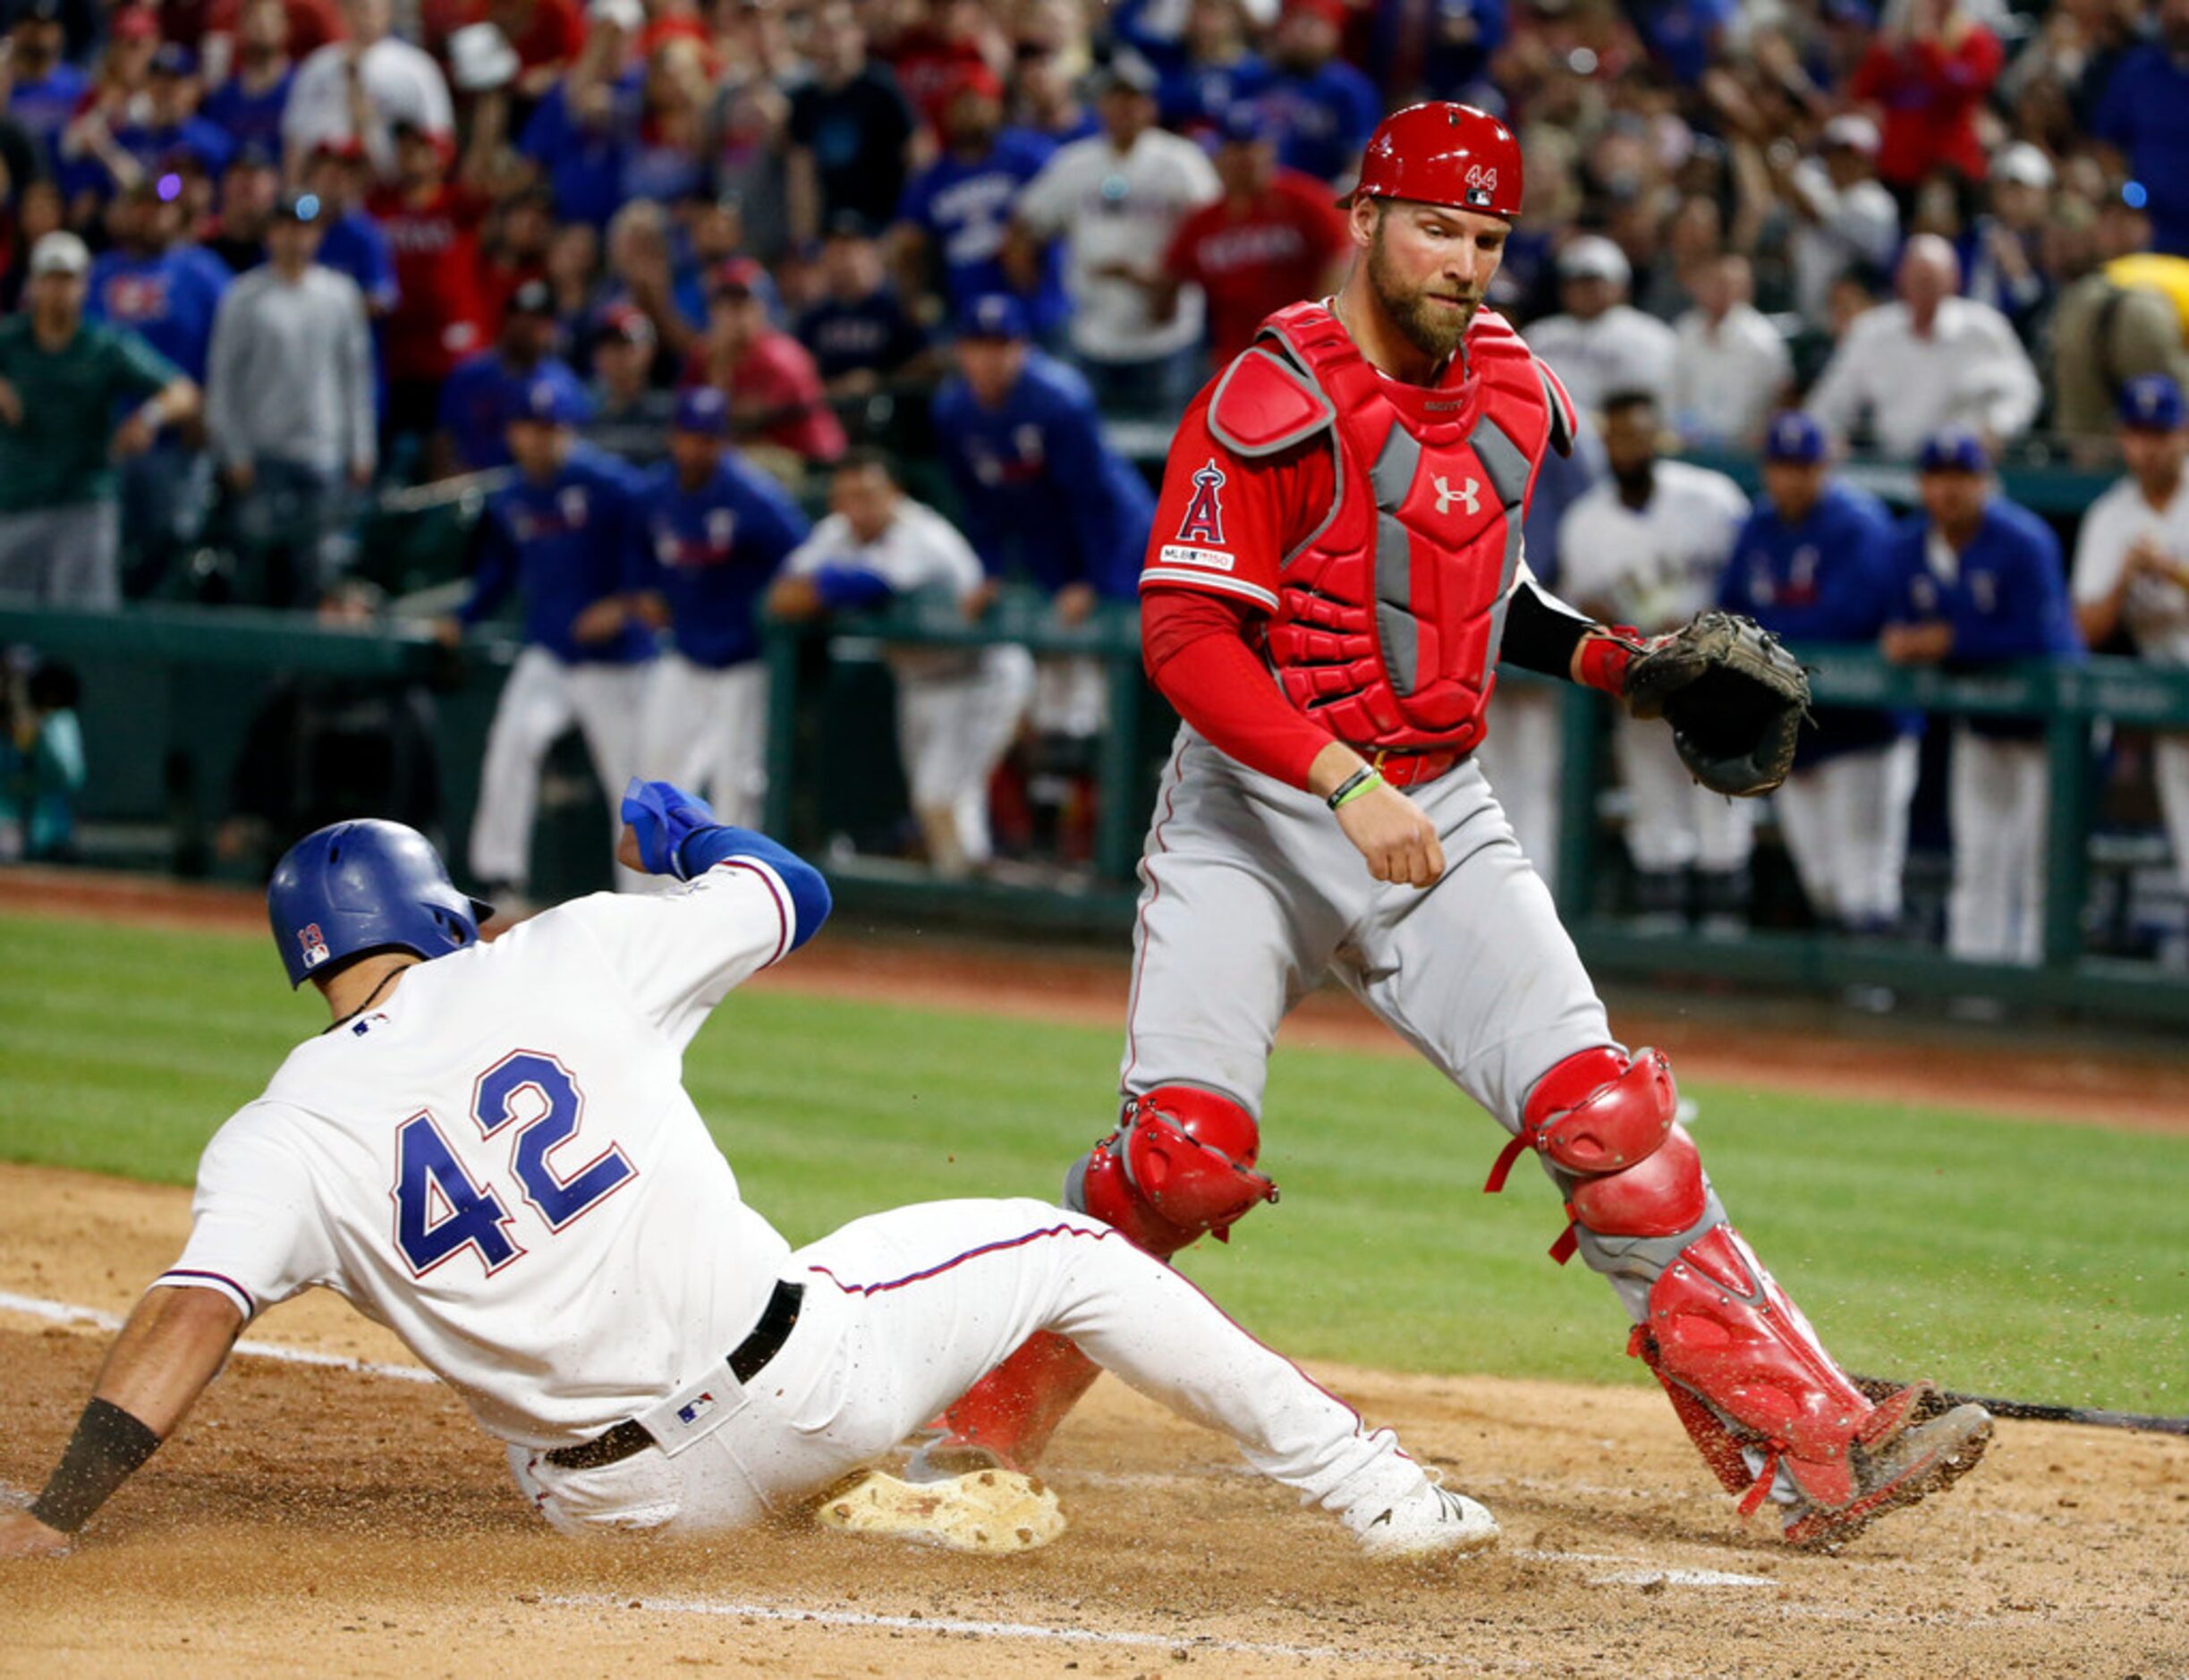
{"points": [[1332, 12], [1244, 124], [35, 11], [627, 15], [738, 276], [546, 403], [1854, 132], [1127, 70], [349, 150], [1592, 257], [1955, 449], [972, 78], [848, 225], [994, 315], [2023, 165], [1793, 437], [704, 410], [2152, 402], [134, 23], [297, 206], [174, 59], [60, 253], [534, 297], [631, 326]]}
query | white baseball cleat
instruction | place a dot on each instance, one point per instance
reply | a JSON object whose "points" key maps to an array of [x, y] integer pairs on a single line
{"points": [[1424, 1524], [990, 1511]]}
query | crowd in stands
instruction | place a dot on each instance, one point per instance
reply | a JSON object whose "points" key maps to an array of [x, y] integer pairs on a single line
{"points": [[263, 258]]}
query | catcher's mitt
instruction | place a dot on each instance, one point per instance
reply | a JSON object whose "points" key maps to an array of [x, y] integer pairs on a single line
{"points": [[1734, 696]]}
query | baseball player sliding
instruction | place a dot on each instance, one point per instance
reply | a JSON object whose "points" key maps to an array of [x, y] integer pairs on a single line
{"points": [[1334, 574], [490, 1151]]}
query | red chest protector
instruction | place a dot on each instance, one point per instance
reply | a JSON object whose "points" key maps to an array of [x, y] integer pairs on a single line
{"points": [[1391, 610]]}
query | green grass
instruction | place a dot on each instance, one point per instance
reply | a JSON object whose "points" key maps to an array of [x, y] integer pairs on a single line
{"points": [[2044, 1261]]}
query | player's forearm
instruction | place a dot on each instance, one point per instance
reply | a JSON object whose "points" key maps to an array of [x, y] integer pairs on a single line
{"points": [[1197, 654], [1543, 633], [171, 1348]]}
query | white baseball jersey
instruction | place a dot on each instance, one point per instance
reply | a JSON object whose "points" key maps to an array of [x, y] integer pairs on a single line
{"points": [[1658, 568], [2156, 609], [1620, 350], [498, 1162], [921, 550]]}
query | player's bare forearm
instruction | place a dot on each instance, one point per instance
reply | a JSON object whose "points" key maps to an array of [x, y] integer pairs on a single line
{"points": [[169, 1350]]}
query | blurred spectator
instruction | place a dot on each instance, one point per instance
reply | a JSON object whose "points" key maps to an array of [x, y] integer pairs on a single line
{"points": [[716, 530], [249, 106], [322, 749], [42, 768], [1905, 371], [1435, 49], [159, 137], [367, 88], [62, 381], [44, 88], [1980, 583], [849, 130], [568, 533], [1929, 70], [1324, 107], [2003, 251], [2139, 117], [776, 402], [289, 404], [352, 244], [1812, 565], [514, 246], [1045, 61], [1116, 201], [934, 43], [1274, 237], [1602, 344], [482, 392], [2130, 316], [432, 226], [1217, 74], [35, 211], [957, 707], [859, 332], [1730, 368], [582, 132], [1646, 547], [1043, 497], [547, 36], [956, 211], [1845, 218], [668, 162], [629, 411], [248, 189], [2132, 569]]}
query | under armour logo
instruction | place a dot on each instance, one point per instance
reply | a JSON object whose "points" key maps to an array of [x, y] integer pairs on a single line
{"points": [[1447, 495]]}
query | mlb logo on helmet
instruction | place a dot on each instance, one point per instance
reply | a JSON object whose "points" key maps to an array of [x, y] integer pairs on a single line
{"points": [[312, 943]]}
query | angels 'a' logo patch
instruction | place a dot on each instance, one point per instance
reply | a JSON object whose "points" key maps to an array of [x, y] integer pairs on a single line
{"points": [[1204, 514]]}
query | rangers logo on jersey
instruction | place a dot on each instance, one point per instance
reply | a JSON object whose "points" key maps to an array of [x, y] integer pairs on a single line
{"points": [[313, 943], [1204, 514]]}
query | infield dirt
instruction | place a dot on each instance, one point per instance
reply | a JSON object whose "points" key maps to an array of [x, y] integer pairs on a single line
{"points": [[310, 1519]]}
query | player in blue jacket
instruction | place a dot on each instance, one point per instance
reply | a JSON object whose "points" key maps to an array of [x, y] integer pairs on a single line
{"points": [[1979, 582], [1812, 567], [481, 392], [568, 533], [1042, 496], [717, 529]]}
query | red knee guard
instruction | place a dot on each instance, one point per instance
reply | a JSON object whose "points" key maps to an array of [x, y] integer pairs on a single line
{"points": [[1600, 1113], [1180, 1164], [1721, 1331], [1014, 1410]]}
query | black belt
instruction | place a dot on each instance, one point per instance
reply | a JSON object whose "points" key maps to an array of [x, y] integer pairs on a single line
{"points": [[629, 1437]]}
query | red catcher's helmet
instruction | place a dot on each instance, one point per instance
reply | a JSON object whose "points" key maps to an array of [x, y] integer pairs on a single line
{"points": [[1442, 153]]}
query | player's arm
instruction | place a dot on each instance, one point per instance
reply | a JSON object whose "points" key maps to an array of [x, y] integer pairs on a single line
{"points": [[171, 1346], [1543, 633]]}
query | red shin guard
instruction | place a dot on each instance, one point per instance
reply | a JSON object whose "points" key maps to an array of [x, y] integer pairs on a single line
{"points": [[1014, 1410]]}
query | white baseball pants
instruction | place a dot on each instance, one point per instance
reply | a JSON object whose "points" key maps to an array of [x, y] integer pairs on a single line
{"points": [[1846, 824], [1996, 799], [905, 1309], [951, 733], [1673, 822], [542, 698], [706, 730], [2170, 770]]}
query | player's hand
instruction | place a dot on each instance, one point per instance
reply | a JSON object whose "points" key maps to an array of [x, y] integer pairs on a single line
{"points": [[796, 599], [449, 631], [240, 475], [1916, 644], [11, 404], [132, 437], [1396, 835], [978, 600], [1075, 604], [627, 851], [603, 621], [22, 1535]]}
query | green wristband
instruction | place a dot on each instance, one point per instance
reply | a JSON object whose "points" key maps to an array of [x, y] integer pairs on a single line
{"points": [[1360, 782]]}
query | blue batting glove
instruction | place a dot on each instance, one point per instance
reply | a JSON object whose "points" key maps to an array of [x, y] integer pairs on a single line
{"points": [[663, 817]]}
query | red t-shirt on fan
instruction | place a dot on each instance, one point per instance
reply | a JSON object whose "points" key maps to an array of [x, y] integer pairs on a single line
{"points": [[1254, 258], [442, 317], [778, 374]]}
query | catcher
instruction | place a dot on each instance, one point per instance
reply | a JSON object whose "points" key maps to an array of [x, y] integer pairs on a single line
{"points": [[1334, 574]]}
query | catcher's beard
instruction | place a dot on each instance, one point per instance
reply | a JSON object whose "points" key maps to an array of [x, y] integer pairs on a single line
{"points": [[1434, 331]]}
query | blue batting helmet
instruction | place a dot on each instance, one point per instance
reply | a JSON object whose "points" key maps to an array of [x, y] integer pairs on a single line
{"points": [[366, 886]]}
